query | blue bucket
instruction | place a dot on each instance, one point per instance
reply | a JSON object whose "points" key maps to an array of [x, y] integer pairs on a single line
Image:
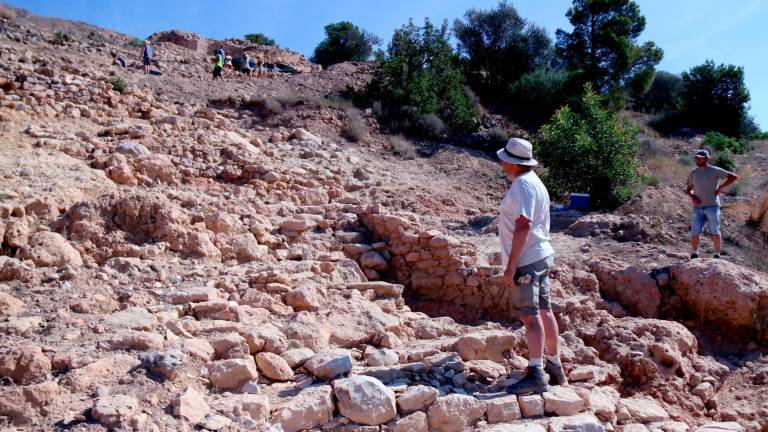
{"points": [[580, 201]]}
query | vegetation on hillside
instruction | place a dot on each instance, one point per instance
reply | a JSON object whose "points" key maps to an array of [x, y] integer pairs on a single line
{"points": [[260, 39], [418, 86], [344, 41], [590, 149]]}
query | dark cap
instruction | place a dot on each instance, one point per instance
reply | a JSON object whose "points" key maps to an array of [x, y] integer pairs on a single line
{"points": [[702, 153]]}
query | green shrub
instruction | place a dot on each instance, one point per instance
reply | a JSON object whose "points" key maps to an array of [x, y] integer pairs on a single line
{"points": [[537, 95], [724, 160], [758, 136], [720, 142], [592, 151], [118, 84], [650, 179], [428, 126], [136, 42], [60, 38], [419, 75], [498, 137]]}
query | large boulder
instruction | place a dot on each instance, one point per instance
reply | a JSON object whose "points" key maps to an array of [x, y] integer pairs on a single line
{"points": [[635, 289], [114, 409], [365, 400], [729, 297], [50, 249], [231, 373]]}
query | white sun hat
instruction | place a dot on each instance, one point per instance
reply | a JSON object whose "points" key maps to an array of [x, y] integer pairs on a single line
{"points": [[517, 151]]}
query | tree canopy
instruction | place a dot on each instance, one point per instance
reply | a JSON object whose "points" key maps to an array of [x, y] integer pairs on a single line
{"points": [[260, 39], [344, 41], [500, 46], [603, 45]]}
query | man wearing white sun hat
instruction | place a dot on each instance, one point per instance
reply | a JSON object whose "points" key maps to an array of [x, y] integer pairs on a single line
{"points": [[527, 257]]}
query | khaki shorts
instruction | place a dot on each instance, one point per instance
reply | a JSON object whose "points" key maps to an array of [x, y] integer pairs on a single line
{"points": [[532, 287]]}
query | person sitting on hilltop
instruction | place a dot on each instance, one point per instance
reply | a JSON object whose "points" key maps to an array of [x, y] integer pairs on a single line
{"points": [[218, 65], [117, 59], [146, 56]]}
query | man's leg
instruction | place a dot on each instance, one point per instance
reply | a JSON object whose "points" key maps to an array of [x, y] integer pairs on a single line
{"points": [[716, 243], [551, 331], [534, 335], [698, 218], [713, 219], [695, 239]]}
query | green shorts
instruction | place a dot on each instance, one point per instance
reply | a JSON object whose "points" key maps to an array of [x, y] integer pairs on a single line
{"points": [[532, 287]]}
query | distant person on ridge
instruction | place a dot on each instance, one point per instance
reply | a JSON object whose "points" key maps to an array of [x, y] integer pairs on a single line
{"points": [[527, 257], [221, 51], [704, 191], [146, 56], [218, 65]]}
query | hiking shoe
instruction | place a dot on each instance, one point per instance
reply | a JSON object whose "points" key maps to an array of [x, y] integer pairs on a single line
{"points": [[534, 381], [694, 255], [556, 373], [716, 256]]}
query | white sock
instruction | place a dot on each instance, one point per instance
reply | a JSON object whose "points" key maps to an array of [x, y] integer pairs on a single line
{"points": [[536, 362], [555, 359], [695, 251]]}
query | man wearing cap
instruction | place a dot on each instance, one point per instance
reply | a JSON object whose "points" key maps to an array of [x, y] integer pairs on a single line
{"points": [[527, 257], [704, 191]]}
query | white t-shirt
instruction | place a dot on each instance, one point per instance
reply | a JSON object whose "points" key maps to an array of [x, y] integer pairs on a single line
{"points": [[528, 197]]}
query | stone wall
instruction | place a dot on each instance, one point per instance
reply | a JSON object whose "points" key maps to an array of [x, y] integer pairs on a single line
{"points": [[438, 267]]}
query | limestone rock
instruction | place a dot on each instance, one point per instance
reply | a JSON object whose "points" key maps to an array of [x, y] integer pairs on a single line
{"points": [[114, 409], [562, 401], [297, 356], [380, 357], [416, 398], [50, 249], [365, 400], [503, 409], [603, 401], [454, 413], [24, 365], [312, 407], [721, 427], [644, 410], [10, 305], [724, 295], [584, 422], [305, 298], [635, 289], [164, 363], [273, 366], [190, 405], [486, 345], [100, 372], [134, 318], [329, 365], [231, 373], [416, 422], [531, 405]]}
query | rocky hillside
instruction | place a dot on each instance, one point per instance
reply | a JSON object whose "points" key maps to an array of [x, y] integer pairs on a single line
{"points": [[184, 255]]}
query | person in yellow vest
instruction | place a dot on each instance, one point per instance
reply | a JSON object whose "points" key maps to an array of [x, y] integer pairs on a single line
{"points": [[218, 66]]}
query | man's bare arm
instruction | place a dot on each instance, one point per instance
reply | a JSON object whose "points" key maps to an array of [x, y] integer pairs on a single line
{"points": [[520, 238], [731, 179]]}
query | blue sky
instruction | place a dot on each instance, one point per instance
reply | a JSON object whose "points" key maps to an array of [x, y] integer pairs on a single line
{"points": [[689, 31]]}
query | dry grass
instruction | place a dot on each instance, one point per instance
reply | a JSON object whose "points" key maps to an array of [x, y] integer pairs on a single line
{"points": [[356, 130], [402, 147], [669, 170]]}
